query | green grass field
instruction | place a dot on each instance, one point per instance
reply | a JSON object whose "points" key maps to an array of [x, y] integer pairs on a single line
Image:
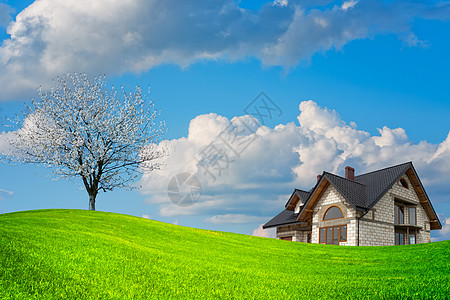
{"points": [[77, 254]]}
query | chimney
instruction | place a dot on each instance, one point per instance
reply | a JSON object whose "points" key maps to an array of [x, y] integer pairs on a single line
{"points": [[318, 177], [349, 173]]}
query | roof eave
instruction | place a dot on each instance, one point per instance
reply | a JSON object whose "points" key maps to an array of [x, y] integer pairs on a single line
{"points": [[292, 198], [265, 226], [439, 224], [316, 187]]}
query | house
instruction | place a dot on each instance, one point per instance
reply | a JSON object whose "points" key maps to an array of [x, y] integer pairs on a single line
{"points": [[380, 208]]}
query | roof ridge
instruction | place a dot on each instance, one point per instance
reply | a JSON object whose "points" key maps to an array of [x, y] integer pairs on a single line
{"points": [[409, 162], [360, 183]]}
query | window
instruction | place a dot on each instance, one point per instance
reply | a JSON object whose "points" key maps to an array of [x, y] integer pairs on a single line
{"points": [[398, 214], [308, 237], [343, 237], [412, 215], [333, 235], [329, 235], [336, 235], [333, 212], [322, 235], [412, 238], [399, 238], [402, 182], [286, 238]]}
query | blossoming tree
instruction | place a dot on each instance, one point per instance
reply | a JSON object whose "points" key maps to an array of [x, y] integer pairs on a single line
{"points": [[82, 129]]}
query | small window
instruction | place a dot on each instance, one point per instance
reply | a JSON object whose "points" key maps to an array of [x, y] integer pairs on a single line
{"points": [[322, 235], [286, 238], [399, 215], [402, 182], [412, 215], [412, 238], [333, 212], [343, 237], [335, 235], [330, 235], [399, 238]]}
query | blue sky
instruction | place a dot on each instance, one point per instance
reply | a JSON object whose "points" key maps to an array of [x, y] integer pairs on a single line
{"points": [[379, 64]]}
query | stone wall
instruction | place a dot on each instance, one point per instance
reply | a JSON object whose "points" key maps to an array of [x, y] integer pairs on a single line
{"points": [[376, 228], [297, 231]]}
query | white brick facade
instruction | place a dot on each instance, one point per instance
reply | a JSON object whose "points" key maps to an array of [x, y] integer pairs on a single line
{"points": [[331, 197]]}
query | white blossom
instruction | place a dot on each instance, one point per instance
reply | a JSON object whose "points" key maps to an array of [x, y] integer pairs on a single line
{"points": [[82, 129]]}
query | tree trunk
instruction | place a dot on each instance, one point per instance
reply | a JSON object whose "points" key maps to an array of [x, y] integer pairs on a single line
{"points": [[91, 202]]}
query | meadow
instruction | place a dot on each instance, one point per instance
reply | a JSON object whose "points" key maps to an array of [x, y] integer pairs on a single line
{"points": [[77, 254]]}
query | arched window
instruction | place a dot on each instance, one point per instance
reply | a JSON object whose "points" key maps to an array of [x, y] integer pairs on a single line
{"points": [[402, 182], [333, 212]]}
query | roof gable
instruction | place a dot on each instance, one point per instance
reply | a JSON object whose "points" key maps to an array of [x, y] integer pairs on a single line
{"points": [[297, 195], [381, 181]]}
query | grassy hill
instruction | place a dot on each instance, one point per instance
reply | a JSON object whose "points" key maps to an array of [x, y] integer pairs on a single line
{"points": [[76, 254]]}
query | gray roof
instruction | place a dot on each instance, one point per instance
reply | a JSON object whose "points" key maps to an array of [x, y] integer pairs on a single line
{"points": [[353, 191], [379, 182], [283, 218], [362, 193]]}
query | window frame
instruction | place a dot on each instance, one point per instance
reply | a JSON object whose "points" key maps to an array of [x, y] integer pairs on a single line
{"points": [[409, 215], [325, 213], [332, 234], [399, 206], [409, 238], [322, 234], [340, 230], [399, 235], [403, 183]]}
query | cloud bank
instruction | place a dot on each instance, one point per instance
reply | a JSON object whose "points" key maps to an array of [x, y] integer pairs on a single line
{"points": [[50, 38], [253, 186]]}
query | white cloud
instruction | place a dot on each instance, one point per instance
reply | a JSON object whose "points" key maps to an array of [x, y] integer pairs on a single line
{"points": [[280, 2], [5, 194], [234, 219], [348, 4], [412, 40], [50, 38], [146, 216], [257, 183], [444, 233], [267, 233]]}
